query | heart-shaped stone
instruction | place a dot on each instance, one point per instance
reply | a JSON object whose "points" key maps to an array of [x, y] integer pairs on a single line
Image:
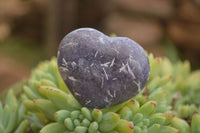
{"points": [[102, 71]]}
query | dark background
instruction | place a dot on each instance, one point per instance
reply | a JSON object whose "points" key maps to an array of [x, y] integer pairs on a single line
{"points": [[30, 30]]}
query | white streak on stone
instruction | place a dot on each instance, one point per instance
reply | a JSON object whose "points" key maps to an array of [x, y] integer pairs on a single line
{"points": [[101, 40], [115, 50], [87, 102], [109, 93], [112, 63], [134, 62], [63, 69], [130, 57], [91, 64], [106, 100], [130, 71], [123, 68], [77, 94], [70, 44], [105, 64], [73, 65], [114, 95], [138, 85], [105, 73], [64, 72], [96, 54], [72, 78], [64, 61], [114, 79], [102, 81]]}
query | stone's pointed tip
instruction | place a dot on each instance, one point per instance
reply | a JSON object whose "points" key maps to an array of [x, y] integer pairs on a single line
{"points": [[99, 66]]}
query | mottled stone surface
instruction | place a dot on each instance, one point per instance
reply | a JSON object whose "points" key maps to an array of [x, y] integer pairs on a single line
{"points": [[102, 71]]}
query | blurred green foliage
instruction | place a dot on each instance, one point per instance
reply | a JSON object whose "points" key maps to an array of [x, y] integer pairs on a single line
{"points": [[25, 52]]}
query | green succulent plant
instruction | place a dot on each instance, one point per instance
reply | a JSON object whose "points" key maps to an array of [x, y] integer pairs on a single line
{"points": [[12, 115], [169, 103]]}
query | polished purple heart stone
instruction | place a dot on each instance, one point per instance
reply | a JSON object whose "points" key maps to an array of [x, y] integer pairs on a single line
{"points": [[102, 71]]}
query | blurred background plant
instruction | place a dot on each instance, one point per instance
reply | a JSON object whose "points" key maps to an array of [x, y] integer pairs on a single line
{"points": [[30, 31]]}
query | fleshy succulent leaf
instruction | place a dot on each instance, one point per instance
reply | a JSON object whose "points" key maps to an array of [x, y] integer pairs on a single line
{"points": [[53, 128], [168, 104]]}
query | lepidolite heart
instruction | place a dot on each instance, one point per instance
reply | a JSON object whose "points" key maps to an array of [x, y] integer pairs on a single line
{"points": [[102, 71]]}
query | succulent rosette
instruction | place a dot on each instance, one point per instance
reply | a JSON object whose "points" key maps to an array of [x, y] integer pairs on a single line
{"points": [[167, 103]]}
